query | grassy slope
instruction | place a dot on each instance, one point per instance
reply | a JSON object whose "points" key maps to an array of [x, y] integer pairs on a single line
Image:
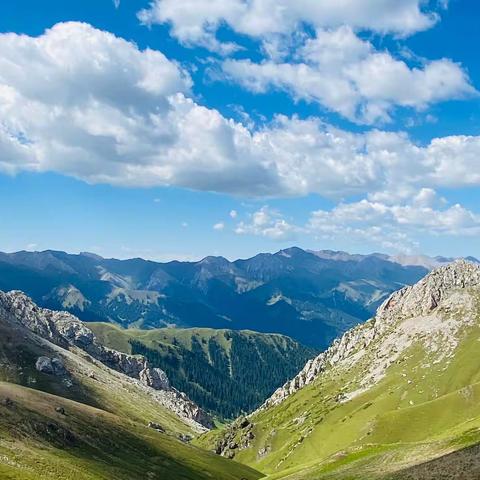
{"points": [[38, 443], [104, 433], [420, 410], [247, 364], [118, 338], [92, 383]]}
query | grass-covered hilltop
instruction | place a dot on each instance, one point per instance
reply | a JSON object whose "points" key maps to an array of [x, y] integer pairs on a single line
{"points": [[226, 372], [395, 398]]}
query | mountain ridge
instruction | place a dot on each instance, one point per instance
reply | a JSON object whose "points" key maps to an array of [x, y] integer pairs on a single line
{"points": [[397, 391], [311, 297], [66, 331], [415, 300]]}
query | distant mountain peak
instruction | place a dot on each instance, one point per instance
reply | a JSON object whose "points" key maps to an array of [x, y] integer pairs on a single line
{"points": [[91, 255], [213, 259]]}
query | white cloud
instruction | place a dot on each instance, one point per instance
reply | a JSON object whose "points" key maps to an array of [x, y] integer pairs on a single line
{"points": [[347, 75], [393, 227], [196, 21], [269, 223], [116, 3], [335, 68], [219, 226], [84, 103], [233, 214]]}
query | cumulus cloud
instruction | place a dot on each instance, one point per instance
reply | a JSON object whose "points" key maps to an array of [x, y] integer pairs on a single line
{"points": [[233, 214], [335, 68], [219, 226], [394, 227], [349, 76], [267, 222], [84, 103], [196, 21]]}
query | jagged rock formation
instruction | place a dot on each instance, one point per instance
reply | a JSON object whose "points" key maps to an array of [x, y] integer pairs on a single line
{"points": [[409, 302], [67, 331]]}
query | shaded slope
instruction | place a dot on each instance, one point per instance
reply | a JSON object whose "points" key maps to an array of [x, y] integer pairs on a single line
{"points": [[88, 421], [38, 442]]}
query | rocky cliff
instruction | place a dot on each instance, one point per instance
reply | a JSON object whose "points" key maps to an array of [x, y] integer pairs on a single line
{"points": [[419, 300], [400, 389], [68, 332]]}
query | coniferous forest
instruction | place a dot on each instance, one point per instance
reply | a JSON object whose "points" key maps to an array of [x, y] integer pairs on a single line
{"points": [[228, 376]]}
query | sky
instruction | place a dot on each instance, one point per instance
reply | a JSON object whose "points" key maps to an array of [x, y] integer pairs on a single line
{"points": [[176, 129]]}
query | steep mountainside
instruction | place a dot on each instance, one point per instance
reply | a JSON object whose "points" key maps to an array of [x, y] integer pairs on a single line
{"points": [[310, 296], [398, 391], [226, 372], [71, 408]]}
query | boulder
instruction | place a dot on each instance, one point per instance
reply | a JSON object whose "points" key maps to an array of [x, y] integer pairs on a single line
{"points": [[51, 366]]}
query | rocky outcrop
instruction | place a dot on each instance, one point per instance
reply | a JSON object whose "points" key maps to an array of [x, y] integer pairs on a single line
{"points": [[67, 331], [418, 300], [426, 295], [51, 366], [237, 436]]}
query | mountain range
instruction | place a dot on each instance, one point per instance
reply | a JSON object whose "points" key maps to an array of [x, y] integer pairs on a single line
{"points": [[394, 398], [310, 296]]}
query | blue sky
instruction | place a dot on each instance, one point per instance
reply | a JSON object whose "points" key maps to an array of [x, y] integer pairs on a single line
{"points": [[178, 129]]}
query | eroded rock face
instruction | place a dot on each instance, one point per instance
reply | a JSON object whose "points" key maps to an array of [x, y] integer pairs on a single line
{"points": [[66, 331], [419, 300]]}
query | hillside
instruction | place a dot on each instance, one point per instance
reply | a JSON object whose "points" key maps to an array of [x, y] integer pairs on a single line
{"points": [[65, 413], [400, 390], [310, 296], [226, 372]]}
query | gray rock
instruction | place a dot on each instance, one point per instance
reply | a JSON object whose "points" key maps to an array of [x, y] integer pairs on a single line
{"points": [[58, 367], [185, 438], [50, 366], [155, 378], [156, 426], [6, 402], [417, 300]]}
